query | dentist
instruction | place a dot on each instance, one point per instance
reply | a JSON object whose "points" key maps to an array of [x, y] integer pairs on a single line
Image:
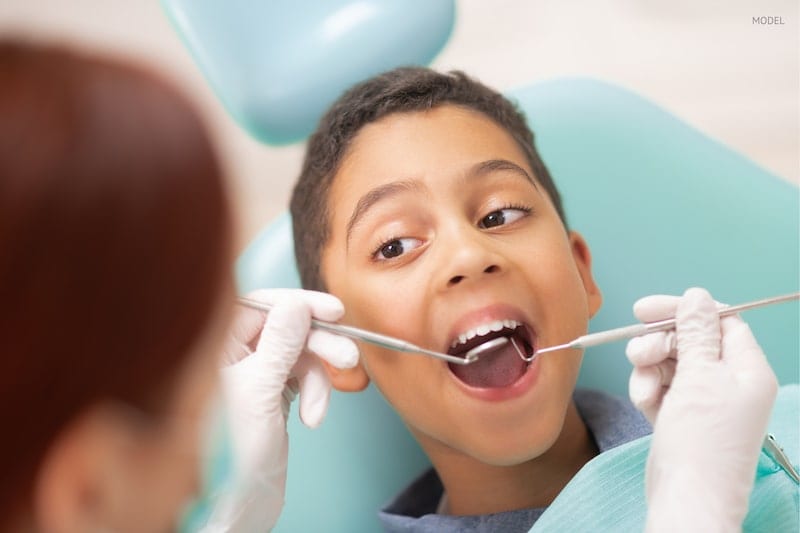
{"points": [[116, 258]]}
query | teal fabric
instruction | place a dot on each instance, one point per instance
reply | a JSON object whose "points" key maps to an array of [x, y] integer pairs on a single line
{"points": [[277, 65], [608, 493], [663, 208]]}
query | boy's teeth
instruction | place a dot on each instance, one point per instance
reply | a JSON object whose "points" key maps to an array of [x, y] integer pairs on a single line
{"points": [[497, 325], [483, 329]]}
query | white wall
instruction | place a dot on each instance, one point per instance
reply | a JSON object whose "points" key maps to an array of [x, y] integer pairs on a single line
{"points": [[703, 60]]}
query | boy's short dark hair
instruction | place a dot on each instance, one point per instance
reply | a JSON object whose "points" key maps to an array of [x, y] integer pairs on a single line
{"points": [[403, 90]]}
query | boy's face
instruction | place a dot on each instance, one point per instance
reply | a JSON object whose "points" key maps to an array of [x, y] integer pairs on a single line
{"points": [[438, 227]]}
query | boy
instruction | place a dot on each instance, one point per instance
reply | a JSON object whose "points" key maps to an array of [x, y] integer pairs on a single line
{"points": [[424, 206]]}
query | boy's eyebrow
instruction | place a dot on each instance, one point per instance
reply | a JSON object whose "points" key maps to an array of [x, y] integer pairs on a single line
{"points": [[376, 195], [391, 189], [492, 165]]}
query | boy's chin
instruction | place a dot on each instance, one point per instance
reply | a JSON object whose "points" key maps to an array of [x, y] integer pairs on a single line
{"points": [[509, 458], [513, 450]]}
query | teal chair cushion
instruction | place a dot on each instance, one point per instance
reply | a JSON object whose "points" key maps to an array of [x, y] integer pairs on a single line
{"points": [[277, 65], [662, 206]]}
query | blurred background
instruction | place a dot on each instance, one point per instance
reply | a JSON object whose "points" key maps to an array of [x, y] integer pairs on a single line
{"points": [[706, 62]]}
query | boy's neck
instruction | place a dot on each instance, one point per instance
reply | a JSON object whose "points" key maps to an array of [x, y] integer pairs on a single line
{"points": [[476, 488]]}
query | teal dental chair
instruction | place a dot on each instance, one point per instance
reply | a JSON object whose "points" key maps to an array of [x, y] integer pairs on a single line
{"points": [[662, 206]]}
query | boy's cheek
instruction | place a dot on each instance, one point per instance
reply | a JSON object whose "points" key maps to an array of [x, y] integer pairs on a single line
{"points": [[389, 371], [405, 380]]}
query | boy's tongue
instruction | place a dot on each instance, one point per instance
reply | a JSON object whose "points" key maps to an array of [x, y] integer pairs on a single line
{"points": [[496, 369]]}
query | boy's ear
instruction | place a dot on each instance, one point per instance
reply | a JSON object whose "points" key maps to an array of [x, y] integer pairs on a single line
{"points": [[347, 379], [583, 260]]}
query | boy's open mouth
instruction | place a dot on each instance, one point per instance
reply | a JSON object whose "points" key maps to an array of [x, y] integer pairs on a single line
{"points": [[498, 368]]}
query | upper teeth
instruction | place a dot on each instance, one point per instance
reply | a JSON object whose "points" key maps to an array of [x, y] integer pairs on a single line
{"points": [[483, 329]]}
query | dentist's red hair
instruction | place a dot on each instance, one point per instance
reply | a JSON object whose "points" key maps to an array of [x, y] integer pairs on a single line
{"points": [[115, 245]]}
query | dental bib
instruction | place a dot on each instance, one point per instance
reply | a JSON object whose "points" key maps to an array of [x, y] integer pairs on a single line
{"points": [[608, 493]]}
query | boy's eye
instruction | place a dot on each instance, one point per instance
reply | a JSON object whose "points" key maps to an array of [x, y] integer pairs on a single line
{"points": [[396, 248], [502, 216]]}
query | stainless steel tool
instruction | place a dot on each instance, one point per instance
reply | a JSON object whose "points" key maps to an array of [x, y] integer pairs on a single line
{"points": [[386, 341]]}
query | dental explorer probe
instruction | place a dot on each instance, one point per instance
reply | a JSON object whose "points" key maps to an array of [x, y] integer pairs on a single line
{"points": [[386, 341], [637, 330]]}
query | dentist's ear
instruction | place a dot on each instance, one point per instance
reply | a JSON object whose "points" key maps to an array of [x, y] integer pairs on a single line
{"points": [[353, 379], [80, 484], [583, 260]]}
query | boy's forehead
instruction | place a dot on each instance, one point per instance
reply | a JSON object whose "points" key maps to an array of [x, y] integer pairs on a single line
{"points": [[445, 140]]}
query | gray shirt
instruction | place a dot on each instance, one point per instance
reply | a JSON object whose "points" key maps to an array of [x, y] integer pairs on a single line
{"points": [[611, 421]]}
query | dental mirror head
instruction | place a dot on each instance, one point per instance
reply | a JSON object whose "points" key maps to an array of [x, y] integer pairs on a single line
{"points": [[484, 348]]}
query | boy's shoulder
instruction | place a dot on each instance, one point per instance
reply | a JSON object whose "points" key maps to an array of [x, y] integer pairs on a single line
{"points": [[611, 420]]}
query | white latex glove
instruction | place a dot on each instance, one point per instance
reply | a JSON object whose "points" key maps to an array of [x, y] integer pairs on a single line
{"points": [[709, 391], [265, 366]]}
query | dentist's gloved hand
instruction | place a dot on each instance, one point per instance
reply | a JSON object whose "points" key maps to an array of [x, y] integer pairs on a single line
{"points": [[266, 365], [709, 391]]}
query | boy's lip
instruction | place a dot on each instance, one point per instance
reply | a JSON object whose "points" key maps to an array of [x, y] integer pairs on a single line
{"points": [[485, 315]]}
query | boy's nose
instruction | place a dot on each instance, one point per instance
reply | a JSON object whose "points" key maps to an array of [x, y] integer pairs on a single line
{"points": [[468, 258], [458, 278]]}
